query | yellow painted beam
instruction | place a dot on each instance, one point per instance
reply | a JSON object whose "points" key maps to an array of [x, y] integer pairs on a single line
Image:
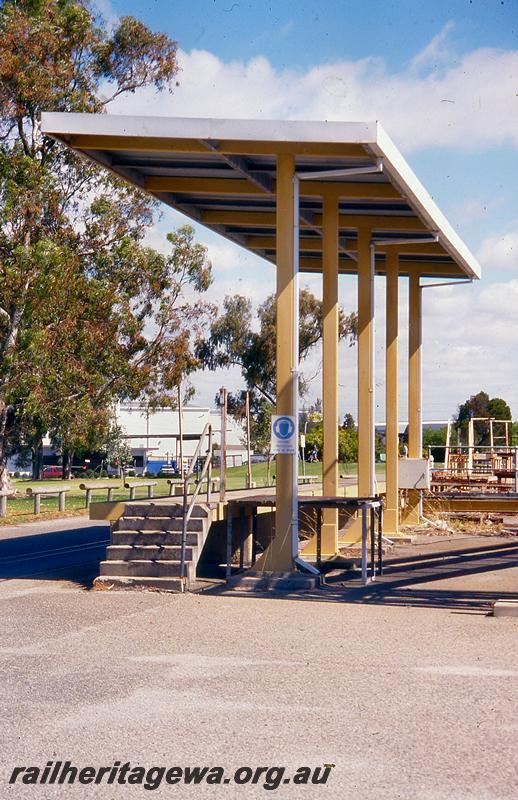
{"points": [[278, 556], [269, 243], [312, 264], [415, 438], [495, 504], [259, 219], [136, 144], [430, 268], [237, 186], [349, 190], [351, 243], [415, 336], [157, 144], [388, 222], [415, 249], [330, 314], [391, 514], [232, 186], [267, 219], [365, 365], [294, 148]]}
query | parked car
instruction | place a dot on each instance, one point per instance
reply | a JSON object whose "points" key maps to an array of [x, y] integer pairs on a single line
{"points": [[54, 471]]}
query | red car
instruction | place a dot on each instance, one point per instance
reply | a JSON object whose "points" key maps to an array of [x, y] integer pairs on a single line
{"points": [[52, 472]]}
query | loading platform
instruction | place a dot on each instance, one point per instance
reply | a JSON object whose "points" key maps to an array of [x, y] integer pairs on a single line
{"points": [[146, 535]]}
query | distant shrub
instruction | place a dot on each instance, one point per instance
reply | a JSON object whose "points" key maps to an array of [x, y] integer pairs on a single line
{"points": [[89, 474]]}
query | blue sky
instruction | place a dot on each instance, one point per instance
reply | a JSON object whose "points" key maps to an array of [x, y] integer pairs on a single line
{"points": [[442, 78], [302, 33]]}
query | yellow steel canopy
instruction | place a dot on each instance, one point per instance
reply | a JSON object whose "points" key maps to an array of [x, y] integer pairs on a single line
{"points": [[222, 173]]}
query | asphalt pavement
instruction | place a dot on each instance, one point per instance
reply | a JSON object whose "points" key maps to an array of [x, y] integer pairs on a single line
{"points": [[409, 700], [56, 549]]}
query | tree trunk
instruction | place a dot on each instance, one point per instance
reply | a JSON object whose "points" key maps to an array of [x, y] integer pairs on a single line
{"points": [[5, 480], [268, 472], [68, 456], [37, 460]]}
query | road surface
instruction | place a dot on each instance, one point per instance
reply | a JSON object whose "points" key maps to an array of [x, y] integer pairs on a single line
{"points": [[65, 549]]}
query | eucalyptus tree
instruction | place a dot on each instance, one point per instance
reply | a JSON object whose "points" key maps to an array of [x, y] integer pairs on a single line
{"points": [[88, 313]]}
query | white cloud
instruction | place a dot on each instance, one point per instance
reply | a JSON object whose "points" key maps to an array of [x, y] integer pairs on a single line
{"points": [[105, 9], [500, 252], [470, 335], [475, 209], [435, 51], [471, 103]]}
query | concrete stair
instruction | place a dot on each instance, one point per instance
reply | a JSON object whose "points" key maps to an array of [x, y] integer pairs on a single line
{"points": [[145, 547]]}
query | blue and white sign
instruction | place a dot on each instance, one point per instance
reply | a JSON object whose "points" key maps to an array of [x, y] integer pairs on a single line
{"points": [[284, 434]]}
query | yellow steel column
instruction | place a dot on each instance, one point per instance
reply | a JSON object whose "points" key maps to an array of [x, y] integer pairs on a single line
{"points": [[415, 441], [279, 554], [330, 313], [391, 515], [365, 365]]}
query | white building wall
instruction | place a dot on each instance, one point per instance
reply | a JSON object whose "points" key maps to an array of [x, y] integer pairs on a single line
{"points": [[157, 432]]}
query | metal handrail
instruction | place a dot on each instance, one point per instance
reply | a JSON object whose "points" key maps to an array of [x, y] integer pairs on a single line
{"points": [[188, 506]]}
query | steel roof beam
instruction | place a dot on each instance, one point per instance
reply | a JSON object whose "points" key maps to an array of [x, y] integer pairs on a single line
{"points": [[267, 219], [240, 164], [348, 245], [231, 186]]}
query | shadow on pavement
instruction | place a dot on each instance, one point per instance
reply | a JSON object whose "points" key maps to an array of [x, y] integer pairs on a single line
{"points": [[71, 554], [402, 581]]}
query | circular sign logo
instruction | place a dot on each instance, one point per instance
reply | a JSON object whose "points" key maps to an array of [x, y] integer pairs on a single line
{"points": [[283, 428]]}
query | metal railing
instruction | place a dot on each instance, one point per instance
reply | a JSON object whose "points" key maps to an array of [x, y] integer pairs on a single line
{"points": [[189, 501]]}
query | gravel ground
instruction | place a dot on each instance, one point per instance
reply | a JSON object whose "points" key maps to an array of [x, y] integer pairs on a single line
{"points": [[411, 703]]}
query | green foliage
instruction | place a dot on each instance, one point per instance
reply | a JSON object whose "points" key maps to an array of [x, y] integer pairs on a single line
{"points": [[348, 421], [315, 440], [480, 405], [117, 449], [347, 442], [88, 313], [434, 436], [347, 437], [260, 418], [498, 409], [240, 338]]}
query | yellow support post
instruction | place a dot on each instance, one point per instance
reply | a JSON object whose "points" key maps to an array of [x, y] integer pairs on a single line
{"points": [[415, 435], [391, 515], [278, 556], [365, 365], [330, 314]]}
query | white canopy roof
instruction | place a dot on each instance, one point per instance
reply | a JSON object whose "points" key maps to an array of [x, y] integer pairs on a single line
{"points": [[222, 173]]}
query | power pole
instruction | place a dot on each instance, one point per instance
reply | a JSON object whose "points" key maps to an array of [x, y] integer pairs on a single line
{"points": [[249, 456], [180, 428], [223, 445]]}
